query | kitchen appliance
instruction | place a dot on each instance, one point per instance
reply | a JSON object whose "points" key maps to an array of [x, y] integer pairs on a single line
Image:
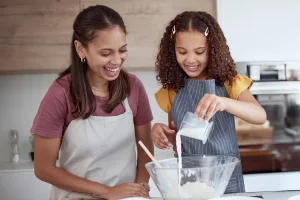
{"points": [[277, 88], [267, 72]]}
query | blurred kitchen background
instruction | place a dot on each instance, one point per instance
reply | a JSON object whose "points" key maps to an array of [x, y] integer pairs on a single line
{"points": [[263, 36]]}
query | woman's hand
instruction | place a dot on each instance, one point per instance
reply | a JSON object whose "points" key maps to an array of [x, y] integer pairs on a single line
{"points": [[146, 186], [209, 105], [127, 190], [163, 136]]}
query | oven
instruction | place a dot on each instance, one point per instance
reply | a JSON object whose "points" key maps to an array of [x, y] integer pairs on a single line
{"points": [[277, 88]]}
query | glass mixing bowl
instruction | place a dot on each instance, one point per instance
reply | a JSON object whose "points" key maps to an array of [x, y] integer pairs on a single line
{"points": [[201, 177]]}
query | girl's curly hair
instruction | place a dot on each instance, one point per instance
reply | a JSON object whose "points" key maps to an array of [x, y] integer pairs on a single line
{"points": [[221, 66]]}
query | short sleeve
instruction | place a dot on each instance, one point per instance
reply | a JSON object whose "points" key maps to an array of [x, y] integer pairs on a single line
{"points": [[165, 99], [240, 84], [144, 113], [50, 118]]}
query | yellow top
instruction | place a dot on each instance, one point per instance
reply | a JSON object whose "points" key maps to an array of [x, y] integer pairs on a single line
{"points": [[165, 97]]}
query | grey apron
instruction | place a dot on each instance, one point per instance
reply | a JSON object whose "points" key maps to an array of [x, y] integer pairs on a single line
{"points": [[222, 141]]}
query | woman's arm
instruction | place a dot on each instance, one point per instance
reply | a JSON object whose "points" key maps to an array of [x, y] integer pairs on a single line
{"points": [[143, 133], [45, 154], [246, 108]]}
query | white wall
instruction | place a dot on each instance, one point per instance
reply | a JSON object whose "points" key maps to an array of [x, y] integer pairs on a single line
{"points": [[20, 96], [261, 30]]}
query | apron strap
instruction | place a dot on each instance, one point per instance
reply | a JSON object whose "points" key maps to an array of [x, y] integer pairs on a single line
{"points": [[125, 104]]}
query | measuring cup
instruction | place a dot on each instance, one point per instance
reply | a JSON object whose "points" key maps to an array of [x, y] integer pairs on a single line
{"points": [[192, 127]]}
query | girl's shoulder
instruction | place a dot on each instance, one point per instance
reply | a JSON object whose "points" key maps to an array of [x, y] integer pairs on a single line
{"points": [[165, 98], [240, 84]]}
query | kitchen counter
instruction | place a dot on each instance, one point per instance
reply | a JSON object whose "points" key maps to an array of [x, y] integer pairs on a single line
{"points": [[281, 137], [280, 195], [22, 166]]}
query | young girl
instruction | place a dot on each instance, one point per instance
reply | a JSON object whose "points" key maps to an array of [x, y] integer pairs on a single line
{"points": [[92, 116], [199, 75]]}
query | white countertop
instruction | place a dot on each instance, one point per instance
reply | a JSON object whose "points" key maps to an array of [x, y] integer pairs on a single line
{"points": [[22, 166], [280, 195], [27, 166]]}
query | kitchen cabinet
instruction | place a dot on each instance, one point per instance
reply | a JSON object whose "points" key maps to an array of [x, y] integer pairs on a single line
{"points": [[283, 157], [264, 149], [259, 159], [14, 179], [261, 30], [35, 35], [18, 181]]}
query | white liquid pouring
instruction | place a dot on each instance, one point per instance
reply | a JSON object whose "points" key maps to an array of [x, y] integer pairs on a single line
{"points": [[190, 189]]}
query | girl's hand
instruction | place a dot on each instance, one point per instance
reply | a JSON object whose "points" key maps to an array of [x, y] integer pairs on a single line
{"points": [[209, 105], [163, 136]]}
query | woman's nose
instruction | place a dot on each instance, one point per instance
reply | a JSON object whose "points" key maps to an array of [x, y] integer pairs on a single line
{"points": [[117, 60]]}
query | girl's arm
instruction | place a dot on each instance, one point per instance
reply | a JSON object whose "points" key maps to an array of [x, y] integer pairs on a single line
{"points": [[246, 108]]}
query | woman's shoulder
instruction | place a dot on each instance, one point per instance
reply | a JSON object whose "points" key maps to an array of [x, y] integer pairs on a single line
{"points": [[60, 87], [134, 79], [135, 82]]}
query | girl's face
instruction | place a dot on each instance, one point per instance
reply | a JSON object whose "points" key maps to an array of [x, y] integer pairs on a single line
{"points": [[106, 54], [192, 53]]}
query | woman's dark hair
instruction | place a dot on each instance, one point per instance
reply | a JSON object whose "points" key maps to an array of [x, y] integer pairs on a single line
{"points": [[87, 23], [221, 66]]}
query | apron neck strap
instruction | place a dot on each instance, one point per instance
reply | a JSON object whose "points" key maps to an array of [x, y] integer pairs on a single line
{"points": [[126, 104]]}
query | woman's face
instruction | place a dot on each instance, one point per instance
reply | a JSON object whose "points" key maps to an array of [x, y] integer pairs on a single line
{"points": [[192, 53], [106, 53]]}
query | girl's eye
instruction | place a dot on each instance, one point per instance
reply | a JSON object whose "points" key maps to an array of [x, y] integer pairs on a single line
{"points": [[182, 53], [105, 54], [200, 52]]}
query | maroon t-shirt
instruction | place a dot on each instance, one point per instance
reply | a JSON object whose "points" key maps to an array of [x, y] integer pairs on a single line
{"points": [[55, 111]]}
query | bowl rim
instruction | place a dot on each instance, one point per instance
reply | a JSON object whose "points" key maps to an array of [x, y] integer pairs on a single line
{"points": [[235, 162]]}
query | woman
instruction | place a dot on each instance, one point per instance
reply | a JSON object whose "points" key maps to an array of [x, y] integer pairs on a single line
{"points": [[92, 116]]}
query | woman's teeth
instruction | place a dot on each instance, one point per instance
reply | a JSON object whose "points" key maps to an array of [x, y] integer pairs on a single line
{"points": [[112, 69]]}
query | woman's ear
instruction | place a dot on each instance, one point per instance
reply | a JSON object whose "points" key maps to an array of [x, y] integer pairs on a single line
{"points": [[79, 49]]}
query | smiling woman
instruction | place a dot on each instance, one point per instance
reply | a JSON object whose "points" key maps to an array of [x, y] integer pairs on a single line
{"points": [[92, 116]]}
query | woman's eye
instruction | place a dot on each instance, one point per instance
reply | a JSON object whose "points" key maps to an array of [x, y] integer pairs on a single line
{"points": [[123, 50], [182, 53]]}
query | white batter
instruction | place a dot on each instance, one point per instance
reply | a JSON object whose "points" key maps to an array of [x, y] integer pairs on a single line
{"points": [[191, 189]]}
